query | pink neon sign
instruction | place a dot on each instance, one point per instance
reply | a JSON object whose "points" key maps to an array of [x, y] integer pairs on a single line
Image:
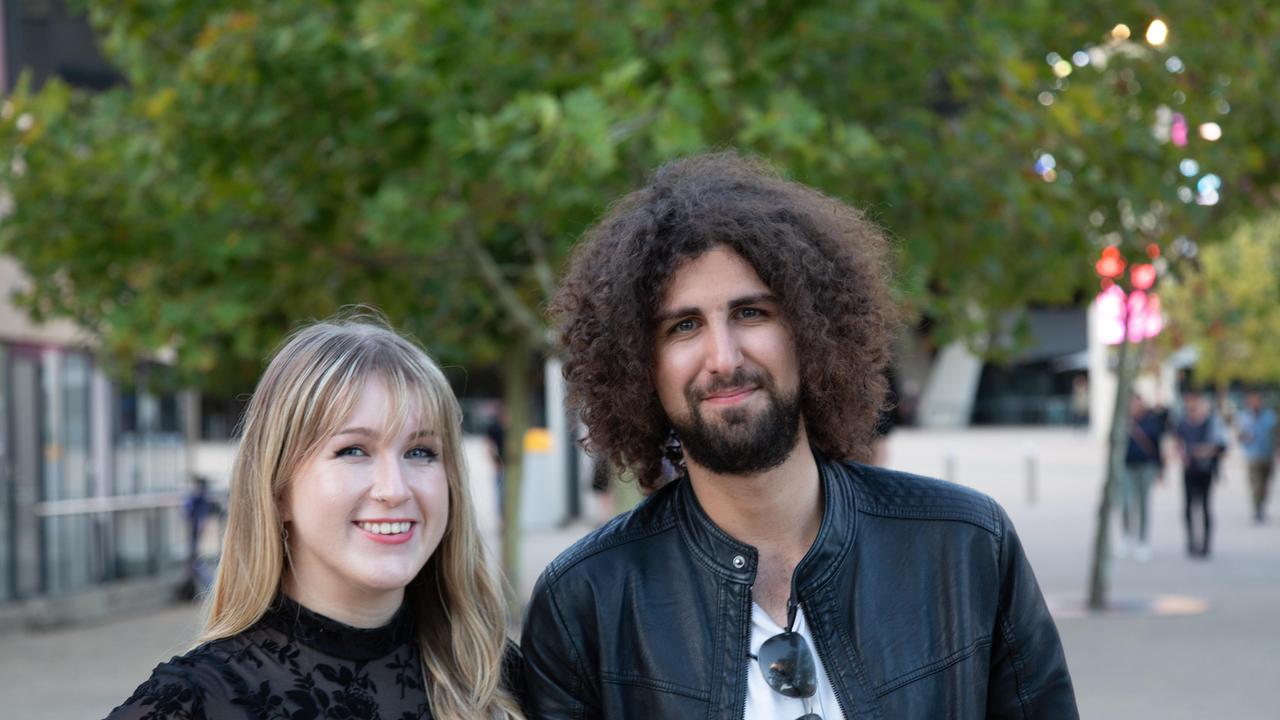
{"points": [[1145, 319]]}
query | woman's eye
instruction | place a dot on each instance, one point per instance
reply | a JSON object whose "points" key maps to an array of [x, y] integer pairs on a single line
{"points": [[422, 453], [684, 326], [750, 313], [351, 451]]}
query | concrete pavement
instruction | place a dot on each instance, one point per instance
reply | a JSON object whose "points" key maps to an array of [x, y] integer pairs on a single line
{"points": [[1221, 662]]}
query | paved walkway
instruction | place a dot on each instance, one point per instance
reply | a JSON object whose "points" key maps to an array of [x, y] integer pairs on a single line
{"points": [[1222, 662]]}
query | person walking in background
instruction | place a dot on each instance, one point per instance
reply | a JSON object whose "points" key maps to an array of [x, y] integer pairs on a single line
{"points": [[1143, 465], [601, 489], [197, 507], [495, 434], [1257, 427], [1080, 401], [1201, 443]]}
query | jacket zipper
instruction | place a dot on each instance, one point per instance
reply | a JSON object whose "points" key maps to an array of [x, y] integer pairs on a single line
{"points": [[826, 667], [746, 656]]}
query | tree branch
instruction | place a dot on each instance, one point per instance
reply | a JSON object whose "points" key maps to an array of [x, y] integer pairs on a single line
{"points": [[541, 263], [516, 310]]}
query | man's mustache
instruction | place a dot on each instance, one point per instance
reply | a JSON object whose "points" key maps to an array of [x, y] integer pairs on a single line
{"points": [[740, 379]]}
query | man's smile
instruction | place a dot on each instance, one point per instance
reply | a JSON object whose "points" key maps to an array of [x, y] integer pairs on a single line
{"points": [[728, 396]]}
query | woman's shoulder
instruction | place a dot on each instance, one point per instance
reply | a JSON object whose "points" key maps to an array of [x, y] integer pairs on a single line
{"points": [[195, 685]]}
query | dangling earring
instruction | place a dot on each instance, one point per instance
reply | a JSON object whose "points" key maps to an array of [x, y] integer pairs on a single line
{"points": [[284, 534]]}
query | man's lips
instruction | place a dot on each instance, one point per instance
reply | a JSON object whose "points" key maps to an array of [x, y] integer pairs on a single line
{"points": [[728, 396]]}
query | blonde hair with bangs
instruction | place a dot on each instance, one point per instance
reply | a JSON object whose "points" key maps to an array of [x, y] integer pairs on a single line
{"points": [[309, 388]]}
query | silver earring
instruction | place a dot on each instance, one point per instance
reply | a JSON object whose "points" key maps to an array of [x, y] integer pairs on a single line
{"points": [[284, 534]]}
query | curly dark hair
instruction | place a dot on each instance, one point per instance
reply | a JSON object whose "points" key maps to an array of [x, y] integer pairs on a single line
{"points": [[826, 263]]}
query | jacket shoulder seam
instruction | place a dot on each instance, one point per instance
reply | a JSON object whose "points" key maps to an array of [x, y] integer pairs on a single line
{"points": [[985, 522], [594, 546]]}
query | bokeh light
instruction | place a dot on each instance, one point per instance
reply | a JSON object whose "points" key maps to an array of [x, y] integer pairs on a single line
{"points": [[1157, 32], [1211, 131]]}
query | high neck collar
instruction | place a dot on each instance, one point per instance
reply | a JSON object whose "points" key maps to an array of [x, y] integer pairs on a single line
{"points": [[737, 561], [335, 638]]}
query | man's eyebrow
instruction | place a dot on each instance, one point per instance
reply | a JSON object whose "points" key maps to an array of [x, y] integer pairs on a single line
{"points": [[757, 299], [663, 317], [690, 311]]}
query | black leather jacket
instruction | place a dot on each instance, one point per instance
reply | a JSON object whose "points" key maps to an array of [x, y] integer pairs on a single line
{"points": [[917, 593]]}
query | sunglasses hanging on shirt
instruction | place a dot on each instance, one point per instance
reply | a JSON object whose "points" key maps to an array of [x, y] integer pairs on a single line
{"points": [[786, 661]]}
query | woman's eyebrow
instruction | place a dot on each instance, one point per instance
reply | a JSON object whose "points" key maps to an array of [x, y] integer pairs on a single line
{"points": [[357, 431], [371, 433]]}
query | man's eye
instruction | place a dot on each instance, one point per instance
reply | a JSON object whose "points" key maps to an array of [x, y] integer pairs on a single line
{"points": [[684, 326], [351, 451], [750, 313], [422, 453]]}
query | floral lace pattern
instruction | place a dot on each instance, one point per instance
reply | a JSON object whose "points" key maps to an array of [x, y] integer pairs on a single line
{"points": [[292, 665]]}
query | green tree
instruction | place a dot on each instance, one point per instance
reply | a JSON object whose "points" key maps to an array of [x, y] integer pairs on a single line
{"points": [[272, 161], [1227, 308]]}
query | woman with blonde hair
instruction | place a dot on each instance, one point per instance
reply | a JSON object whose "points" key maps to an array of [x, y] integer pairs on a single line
{"points": [[353, 582]]}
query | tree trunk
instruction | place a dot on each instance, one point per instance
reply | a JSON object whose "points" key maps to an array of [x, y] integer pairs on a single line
{"points": [[1118, 441], [515, 395]]}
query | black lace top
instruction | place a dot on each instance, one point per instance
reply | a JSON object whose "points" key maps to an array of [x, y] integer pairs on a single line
{"points": [[293, 664]]}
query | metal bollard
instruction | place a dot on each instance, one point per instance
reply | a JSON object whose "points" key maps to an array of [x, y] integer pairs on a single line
{"points": [[949, 465], [1032, 471]]}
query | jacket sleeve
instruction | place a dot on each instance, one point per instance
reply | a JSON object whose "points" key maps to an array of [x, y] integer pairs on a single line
{"points": [[1029, 677], [555, 678]]}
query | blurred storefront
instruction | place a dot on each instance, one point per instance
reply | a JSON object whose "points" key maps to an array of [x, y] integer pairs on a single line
{"points": [[93, 471]]}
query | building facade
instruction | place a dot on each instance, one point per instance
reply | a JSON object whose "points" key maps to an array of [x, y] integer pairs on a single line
{"points": [[93, 468]]}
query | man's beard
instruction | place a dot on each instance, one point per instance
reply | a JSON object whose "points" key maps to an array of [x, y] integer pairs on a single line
{"points": [[741, 442]]}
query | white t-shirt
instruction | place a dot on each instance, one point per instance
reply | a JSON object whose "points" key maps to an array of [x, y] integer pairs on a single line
{"points": [[765, 703]]}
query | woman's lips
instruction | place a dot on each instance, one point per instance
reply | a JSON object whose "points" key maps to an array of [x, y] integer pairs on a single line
{"points": [[389, 532]]}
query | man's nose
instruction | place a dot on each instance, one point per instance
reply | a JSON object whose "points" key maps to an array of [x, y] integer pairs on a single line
{"points": [[724, 353]]}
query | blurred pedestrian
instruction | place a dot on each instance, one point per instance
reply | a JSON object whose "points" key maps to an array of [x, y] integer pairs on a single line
{"points": [[1143, 466], [1201, 443], [1257, 426], [196, 508], [1080, 401], [495, 434], [353, 583], [601, 489]]}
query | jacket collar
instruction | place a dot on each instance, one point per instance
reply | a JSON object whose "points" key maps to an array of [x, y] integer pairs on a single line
{"points": [[737, 561]]}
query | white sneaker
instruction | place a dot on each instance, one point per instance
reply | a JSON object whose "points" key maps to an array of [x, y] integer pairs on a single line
{"points": [[1122, 548], [1142, 553]]}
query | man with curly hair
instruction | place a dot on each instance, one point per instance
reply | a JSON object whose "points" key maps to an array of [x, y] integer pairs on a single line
{"points": [[747, 319]]}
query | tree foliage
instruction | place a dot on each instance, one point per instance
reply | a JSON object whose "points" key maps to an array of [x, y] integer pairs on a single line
{"points": [[267, 162], [273, 161], [1227, 309]]}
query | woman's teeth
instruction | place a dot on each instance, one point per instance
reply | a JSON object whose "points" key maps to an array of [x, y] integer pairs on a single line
{"points": [[385, 528]]}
